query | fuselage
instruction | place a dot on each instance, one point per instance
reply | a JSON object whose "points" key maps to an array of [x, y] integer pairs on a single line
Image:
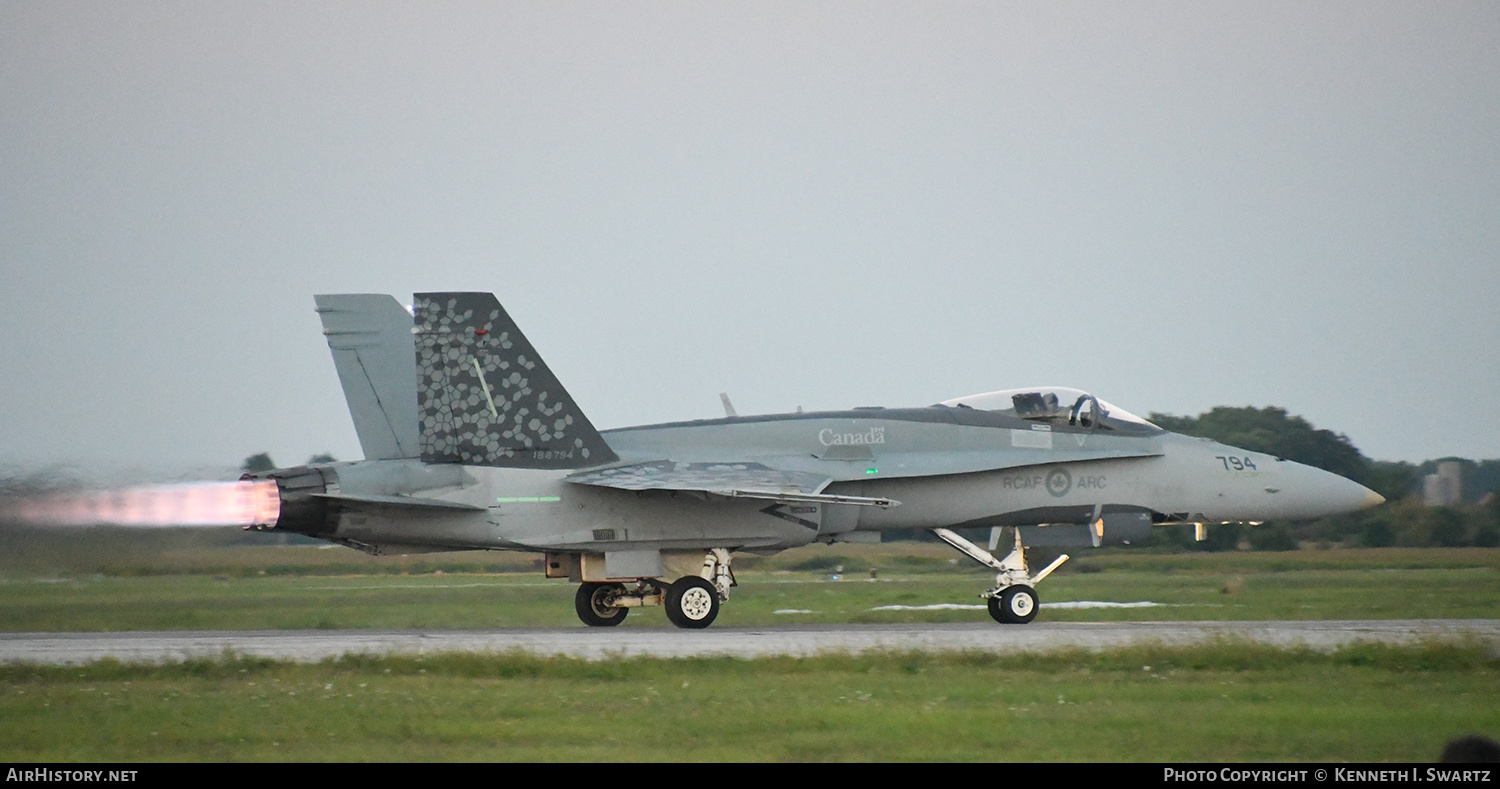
{"points": [[947, 466]]}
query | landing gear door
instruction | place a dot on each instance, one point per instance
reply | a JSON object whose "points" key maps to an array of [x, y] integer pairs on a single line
{"points": [[837, 519]]}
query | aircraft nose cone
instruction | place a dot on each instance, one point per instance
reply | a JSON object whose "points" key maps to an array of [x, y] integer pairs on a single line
{"points": [[1315, 493], [1346, 495]]}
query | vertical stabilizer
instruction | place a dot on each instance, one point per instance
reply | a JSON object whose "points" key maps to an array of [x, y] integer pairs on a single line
{"points": [[370, 336], [484, 396]]}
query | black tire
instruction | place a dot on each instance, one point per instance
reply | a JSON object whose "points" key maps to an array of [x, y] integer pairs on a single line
{"points": [[1016, 605], [692, 603], [589, 603]]}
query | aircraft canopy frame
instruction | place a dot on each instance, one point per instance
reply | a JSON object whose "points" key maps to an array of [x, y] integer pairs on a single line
{"points": [[1054, 405]]}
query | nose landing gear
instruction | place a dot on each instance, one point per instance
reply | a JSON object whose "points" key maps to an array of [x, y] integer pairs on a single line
{"points": [[1013, 599]]}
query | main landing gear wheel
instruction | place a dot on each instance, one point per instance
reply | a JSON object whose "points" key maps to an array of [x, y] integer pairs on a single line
{"points": [[594, 608], [1015, 606], [692, 602]]}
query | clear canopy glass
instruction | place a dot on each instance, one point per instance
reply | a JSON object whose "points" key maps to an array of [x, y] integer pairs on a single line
{"points": [[1058, 405]]}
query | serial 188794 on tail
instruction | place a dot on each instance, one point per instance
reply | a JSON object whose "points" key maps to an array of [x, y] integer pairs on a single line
{"points": [[471, 443]]}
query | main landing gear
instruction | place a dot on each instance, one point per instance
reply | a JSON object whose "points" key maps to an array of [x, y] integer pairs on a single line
{"points": [[691, 601], [1013, 600], [598, 606]]}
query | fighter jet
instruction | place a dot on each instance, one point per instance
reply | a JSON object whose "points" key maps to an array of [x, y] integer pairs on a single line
{"points": [[471, 443]]}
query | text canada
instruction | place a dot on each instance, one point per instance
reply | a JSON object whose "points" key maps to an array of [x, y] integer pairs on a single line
{"points": [[828, 438]]}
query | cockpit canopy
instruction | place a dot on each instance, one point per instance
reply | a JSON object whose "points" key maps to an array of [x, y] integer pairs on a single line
{"points": [[1054, 405]]}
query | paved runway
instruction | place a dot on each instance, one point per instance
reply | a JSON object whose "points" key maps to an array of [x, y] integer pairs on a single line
{"points": [[604, 643]]}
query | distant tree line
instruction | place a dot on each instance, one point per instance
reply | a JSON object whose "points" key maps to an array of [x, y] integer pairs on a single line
{"points": [[262, 462]]}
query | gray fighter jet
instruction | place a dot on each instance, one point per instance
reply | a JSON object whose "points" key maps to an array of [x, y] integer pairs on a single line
{"points": [[472, 443]]}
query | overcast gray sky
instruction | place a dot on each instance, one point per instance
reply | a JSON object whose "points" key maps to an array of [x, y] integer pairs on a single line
{"points": [[1173, 205]]}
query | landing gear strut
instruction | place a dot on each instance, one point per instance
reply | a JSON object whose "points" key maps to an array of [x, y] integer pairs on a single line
{"points": [[691, 602], [1012, 600]]}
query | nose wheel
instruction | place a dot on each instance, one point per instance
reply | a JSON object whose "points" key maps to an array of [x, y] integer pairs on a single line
{"points": [[1015, 606]]}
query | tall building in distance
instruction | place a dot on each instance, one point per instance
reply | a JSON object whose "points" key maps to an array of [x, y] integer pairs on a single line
{"points": [[1444, 487]]}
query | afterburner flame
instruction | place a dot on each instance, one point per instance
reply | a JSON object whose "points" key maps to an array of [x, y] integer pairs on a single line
{"points": [[247, 503]]}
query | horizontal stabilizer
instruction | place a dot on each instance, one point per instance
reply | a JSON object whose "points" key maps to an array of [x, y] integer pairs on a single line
{"points": [[402, 501]]}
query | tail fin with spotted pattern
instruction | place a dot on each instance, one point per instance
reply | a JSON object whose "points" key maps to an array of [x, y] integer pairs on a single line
{"points": [[484, 396]]}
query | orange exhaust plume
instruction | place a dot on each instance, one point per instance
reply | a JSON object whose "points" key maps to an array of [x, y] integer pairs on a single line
{"points": [[247, 503]]}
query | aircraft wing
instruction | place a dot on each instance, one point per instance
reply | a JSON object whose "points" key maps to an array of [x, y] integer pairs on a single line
{"points": [[736, 480]]}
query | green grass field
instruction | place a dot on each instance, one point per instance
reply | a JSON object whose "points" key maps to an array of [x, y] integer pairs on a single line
{"points": [[1228, 702], [1225, 702]]}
